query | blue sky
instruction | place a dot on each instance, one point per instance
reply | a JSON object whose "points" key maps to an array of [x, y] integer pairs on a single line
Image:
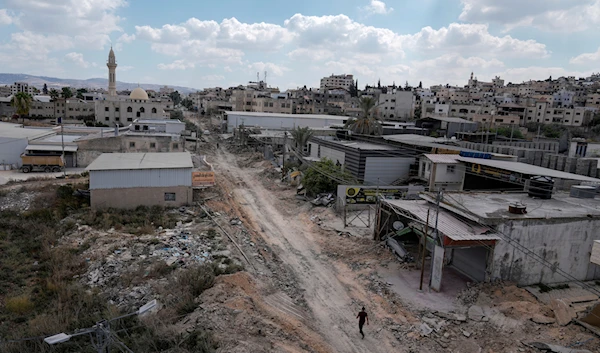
{"points": [[225, 43]]}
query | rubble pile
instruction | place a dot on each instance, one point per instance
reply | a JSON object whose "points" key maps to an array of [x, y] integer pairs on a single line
{"points": [[16, 199]]}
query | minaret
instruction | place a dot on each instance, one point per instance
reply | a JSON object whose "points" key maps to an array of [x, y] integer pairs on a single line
{"points": [[112, 79]]}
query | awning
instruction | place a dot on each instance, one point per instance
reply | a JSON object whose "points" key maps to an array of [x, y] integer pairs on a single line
{"points": [[53, 148]]}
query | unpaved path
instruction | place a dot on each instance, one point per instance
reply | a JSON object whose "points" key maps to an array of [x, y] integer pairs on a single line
{"points": [[333, 304]]}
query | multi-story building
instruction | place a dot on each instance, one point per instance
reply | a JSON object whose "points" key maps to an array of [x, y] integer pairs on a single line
{"points": [[124, 111], [21, 87], [593, 100], [72, 108], [544, 113], [5, 91], [337, 81], [396, 105]]}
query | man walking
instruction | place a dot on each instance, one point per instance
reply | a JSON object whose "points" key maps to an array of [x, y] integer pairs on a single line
{"points": [[362, 316]]}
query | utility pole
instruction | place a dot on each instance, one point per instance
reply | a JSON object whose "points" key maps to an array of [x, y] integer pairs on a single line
{"points": [[512, 129], [436, 233], [62, 142], [424, 251], [538, 134], [284, 148]]}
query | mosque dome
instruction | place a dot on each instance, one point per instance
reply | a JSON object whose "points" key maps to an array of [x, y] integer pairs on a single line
{"points": [[139, 93]]}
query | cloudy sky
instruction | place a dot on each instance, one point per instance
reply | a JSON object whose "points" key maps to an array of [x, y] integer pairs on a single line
{"points": [[197, 43]]}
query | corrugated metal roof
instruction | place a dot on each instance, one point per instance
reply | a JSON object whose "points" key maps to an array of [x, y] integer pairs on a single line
{"points": [[595, 258], [527, 169], [448, 225], [124, 161], [451, 119], [443, 158]]}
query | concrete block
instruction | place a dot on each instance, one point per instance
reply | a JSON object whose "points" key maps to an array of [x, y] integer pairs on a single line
{"points": [[562, 311], [546, 161]]}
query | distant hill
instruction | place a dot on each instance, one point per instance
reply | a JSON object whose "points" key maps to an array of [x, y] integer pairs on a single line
{"points": [[58, 83]]}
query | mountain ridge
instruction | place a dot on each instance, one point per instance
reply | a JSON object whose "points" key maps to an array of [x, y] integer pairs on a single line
{"points": [[94, 83]]}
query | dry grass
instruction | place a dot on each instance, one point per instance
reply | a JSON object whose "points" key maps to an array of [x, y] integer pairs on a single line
{"points": [[19, 305]]}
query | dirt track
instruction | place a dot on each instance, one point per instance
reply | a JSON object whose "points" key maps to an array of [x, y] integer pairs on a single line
{"points": [[332, 302]]}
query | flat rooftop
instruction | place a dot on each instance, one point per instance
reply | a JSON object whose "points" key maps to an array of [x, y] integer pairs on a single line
{"points": [[528, 169], [131, 161], [59, 139], [494, 206], [290, 116], [15, 131], [158, 121], [443, 158], [360, 145]]}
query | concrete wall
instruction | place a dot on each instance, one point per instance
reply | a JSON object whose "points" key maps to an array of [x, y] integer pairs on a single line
{"points": [[564, 244], [134, 197], [386, 170], [278, 123], [91, 149], [333, 154], [443, 176], [11, 150]]}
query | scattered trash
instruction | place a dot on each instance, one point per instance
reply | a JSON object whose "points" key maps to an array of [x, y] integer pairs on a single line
{"points": [[324, 200]]}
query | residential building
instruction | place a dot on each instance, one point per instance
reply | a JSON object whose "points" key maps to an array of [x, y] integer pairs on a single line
{"points": [[129, 180], [21, 87], [397, 104], [442, 172], [337, 81]]}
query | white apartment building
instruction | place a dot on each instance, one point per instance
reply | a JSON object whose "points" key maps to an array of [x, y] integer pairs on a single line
{"points": [[396, 105], [21, 87], [544, 113], [72, 108], [593, 100], [563, 98], [337, 81]]}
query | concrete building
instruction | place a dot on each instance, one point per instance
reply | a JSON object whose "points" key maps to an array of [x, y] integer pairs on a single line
{"points": [[337, 81], [6, 109], [442, 172], [14, 139], [72, 108], [21, 87], [396, 105], [171, 126], [129, 180], [487, 236], [447, 126], [271, 121]]}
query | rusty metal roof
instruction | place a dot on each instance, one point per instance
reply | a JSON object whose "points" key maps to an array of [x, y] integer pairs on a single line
{"points": [[448, 224]]}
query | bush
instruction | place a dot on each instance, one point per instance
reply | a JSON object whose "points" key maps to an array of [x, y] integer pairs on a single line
{"points": [[196, 280], [507, 131], [19, 305], [325, 176]]}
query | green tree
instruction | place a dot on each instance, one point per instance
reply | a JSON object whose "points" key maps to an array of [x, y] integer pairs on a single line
{"points": [[177, 114], [367, 124], [54, 94], [80, 93], [45, 89], [506, 132], [418, 112], [67, 92], [325, 176], [22, 103], [175, 97], [301, 136], [187, 103]]}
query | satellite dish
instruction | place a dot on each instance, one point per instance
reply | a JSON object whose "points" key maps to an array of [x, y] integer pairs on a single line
{"points": [[398, 225]]}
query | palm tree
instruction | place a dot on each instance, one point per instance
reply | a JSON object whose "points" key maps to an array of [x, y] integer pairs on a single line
{"points": [[67, 92], [22, 103], [367, 124], [53, 94], [301, 136]]}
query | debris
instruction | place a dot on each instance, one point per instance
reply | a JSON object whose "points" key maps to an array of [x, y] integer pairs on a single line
{"points": [[425, 329], [541, 319], [450, 316], [399, 250], [466, 334], [235, 222], [323, 200], [554, 348], [562, 311], [475, 313]]}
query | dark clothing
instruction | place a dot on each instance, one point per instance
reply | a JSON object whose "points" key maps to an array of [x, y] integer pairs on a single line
{"points": [[362, 317]]}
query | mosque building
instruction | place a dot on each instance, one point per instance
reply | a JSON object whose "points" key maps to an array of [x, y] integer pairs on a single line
{"points": [[113, 109]]}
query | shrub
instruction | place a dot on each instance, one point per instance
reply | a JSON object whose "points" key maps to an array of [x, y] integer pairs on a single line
{"points": [[196, 280], [19, 305]]}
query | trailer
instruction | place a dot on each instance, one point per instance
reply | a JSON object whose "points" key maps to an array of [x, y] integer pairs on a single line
{"points": [[46, 163]]}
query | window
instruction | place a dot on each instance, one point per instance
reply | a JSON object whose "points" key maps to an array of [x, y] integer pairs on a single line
{"points": [[117, 118], [152, 144], [138, 114], [105, 118], [132, 144], [169, 196], [137, 128], [129, 119], [153, 110], [145, 127], [105, 109], [142, 110], [129, 110], [116, 109], [175, 146]]}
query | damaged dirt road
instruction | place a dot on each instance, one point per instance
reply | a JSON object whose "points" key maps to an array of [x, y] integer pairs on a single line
{"points": [[331, 300]]}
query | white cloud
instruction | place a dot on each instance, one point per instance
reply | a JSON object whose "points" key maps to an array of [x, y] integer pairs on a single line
{"points": [[303, 54], [77, 59], [586, 58], [271, 68], [5, 18], [227, 69], [378, 7], [473, 39], [256, 36], [126, 68], [212, 78], [126, 38], [176, 65], [556, 15]]}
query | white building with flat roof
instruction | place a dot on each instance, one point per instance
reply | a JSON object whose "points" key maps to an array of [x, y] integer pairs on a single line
{"points": [[274, 121], [337, 81]]}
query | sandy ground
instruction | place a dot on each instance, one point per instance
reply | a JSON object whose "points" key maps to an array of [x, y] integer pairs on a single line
{"points": [[333, 299], [8, 175]]}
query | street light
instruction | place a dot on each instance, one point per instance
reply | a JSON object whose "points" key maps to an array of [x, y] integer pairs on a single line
{"points": [[60, 338]]}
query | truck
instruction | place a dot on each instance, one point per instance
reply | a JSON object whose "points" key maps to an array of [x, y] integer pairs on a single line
{"points": [[46, 163]]}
